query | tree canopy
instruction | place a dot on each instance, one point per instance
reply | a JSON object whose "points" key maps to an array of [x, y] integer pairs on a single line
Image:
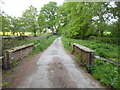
{"points": [[48, 16], [74, 19]]}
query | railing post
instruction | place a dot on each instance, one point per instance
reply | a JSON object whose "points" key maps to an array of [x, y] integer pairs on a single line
{"points": [[8, 60], [91, 58], [4, 61], [72, 47]]}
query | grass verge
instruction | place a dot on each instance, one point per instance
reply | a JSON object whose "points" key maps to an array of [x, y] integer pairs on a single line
{"points": [[6, 84], [107, 73]]}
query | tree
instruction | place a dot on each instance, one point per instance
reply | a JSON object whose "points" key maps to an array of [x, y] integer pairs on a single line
{"points": [[5, 23], [116, 14], [48, 15], [41, 22], [14, 25], [78, 17], [83, 19], [29, 19]]}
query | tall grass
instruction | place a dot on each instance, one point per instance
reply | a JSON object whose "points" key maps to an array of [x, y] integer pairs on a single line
{"points": [[107, 73], [105, 50], [43, 42]]}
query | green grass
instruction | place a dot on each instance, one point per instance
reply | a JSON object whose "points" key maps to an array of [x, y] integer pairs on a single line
{"points": [[5, 84], [15, 62], [45, 40], [9, 71], [105, 50], [107, 73]]}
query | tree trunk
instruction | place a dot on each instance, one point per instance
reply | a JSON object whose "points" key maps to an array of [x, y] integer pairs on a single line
{"points": [[3, 33], [35, 33]]}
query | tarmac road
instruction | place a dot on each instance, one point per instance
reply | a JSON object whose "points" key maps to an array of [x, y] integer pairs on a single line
{"points": [[57, 69]]}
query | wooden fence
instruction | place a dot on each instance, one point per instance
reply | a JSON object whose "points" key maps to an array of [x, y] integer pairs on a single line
{"points": [[16, 53], [87, 55]]}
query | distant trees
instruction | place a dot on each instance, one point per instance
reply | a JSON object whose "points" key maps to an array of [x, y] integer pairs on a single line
{"points": [[27, 23], [5, 23], [116, 14], [48, 17], [74, 19], [29, 19], [10, 24], [83, 19]]}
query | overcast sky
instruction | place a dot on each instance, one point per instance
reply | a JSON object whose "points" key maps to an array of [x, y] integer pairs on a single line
{"points": [[16, 7]]}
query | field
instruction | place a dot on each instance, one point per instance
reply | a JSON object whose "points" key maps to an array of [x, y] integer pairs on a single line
{"points": [[10, 33], [107, 73]]}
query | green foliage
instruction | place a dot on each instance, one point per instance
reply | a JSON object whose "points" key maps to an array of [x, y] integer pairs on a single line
{"points": [[114, 31], [44, 40], [5, 23], [9, 71], [111, 40], [107, 73], [84, 19], [15, 62], [5, 84], [47, 17], [29, 19], [41, 22], [78, 18], [75, 19], [105, 50], [27, 23]]}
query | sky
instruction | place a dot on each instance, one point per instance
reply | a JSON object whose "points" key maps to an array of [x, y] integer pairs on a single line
{"points": [[16, 7]]}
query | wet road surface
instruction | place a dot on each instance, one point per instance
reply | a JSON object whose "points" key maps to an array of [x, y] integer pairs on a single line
{"points": [[56, 69]]}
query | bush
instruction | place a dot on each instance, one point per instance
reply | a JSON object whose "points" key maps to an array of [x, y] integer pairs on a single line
{"points": [[111, 40], [106, 72]]}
